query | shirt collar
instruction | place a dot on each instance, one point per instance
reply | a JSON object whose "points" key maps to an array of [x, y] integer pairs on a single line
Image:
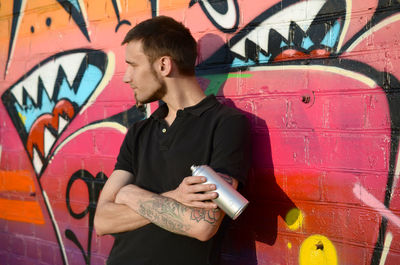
{"points": [[197, 109]]}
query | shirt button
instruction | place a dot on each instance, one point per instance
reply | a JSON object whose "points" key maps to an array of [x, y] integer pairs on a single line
{"points": [[164, 130]]}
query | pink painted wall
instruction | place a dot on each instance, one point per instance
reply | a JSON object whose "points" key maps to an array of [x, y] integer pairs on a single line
{"points": [[319, 81]]}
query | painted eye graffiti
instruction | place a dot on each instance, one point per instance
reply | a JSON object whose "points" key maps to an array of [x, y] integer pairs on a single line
{"points": [[223, 14]]}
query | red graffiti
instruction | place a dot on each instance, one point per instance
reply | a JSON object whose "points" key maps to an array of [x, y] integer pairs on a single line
{"points": [[64, 109], [292, 54]]}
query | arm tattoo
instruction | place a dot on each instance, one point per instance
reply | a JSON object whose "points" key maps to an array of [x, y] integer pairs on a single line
{"points": [[166, 213], [169, 214], [210, 216]]}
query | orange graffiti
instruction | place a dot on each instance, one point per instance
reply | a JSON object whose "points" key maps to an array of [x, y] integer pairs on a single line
{"points": [[20, 181], [21, 211]]}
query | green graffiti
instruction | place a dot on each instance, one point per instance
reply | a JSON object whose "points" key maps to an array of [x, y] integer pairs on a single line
{"points": [[218, 80]]}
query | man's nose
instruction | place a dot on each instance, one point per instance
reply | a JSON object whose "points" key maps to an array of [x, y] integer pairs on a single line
{"points": [[127, 76]]}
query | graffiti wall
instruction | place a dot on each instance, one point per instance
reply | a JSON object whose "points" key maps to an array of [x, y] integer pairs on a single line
{"points": [[319, 81]]}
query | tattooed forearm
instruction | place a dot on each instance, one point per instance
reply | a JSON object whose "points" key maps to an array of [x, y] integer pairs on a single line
{"points": [[210, 216], [165, 213], [166, 206]]}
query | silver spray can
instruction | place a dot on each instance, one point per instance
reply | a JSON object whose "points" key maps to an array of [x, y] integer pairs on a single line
{"points": [[229, 200]]}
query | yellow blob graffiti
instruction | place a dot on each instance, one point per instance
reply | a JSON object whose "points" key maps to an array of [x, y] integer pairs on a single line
{"points": [[23, 118], [294, 219], [317, 250]]}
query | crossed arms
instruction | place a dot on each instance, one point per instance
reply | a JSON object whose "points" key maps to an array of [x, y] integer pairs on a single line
{"points": [[187, 210]]}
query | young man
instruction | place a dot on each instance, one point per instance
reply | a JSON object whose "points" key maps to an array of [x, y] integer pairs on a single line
{"points": [[158, 213]]}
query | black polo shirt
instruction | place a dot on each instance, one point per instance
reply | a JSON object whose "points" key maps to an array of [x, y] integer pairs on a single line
{"points": [[160, 156]]}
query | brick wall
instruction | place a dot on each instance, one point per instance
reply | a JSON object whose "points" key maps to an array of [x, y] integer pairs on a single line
{"points": [[319, 81]]}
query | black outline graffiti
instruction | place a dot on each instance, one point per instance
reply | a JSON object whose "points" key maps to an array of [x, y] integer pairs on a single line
{"points": [[321, 23], [388, 82], [384, 9], [93, 57], [76, 15], [94, 186], [17, 6], [221, 7], [154, 7], [120, 22], [125, 118]]}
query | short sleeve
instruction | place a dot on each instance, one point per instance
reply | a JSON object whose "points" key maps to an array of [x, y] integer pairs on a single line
{"points": [[125, 156], [232, 148]]}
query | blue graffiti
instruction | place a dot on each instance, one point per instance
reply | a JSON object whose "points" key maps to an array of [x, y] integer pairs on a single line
{"points": [[263, 59], [332, 35], [30, 112], [306, 43], [90, 79], [75, 4], [238, 62]]}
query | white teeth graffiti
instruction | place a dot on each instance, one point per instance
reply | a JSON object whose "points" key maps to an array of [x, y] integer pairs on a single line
{"points": [[49, 140], [72, 63], [61, 124], [47, 98], [302, 13], [36, 161], [48, 73]]}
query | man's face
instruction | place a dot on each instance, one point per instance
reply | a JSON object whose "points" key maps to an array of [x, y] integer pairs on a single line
{"points": [[141, 75]]}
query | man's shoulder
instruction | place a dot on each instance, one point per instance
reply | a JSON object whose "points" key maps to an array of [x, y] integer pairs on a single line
{"points": [[226, 111]]}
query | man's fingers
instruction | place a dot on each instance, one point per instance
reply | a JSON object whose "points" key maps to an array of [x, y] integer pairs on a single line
{"points": [[194, 180], [195, 188], [204, 205], [203, 196]]}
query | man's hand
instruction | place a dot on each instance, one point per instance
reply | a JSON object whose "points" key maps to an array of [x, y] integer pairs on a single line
{"points": [[193, 192], [187, 210]]}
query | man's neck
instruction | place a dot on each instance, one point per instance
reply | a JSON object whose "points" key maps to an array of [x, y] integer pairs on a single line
{"points": [[182, 93]]}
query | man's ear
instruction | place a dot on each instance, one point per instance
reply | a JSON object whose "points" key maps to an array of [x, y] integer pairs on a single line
{"points": [[165, 65]]}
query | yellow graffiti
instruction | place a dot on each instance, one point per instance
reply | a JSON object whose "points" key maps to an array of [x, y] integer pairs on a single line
{"points": [[289, 245], [294, 219], [317, 250], [23, 117]]}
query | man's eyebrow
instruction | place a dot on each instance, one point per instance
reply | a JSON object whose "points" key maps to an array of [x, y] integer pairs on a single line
{"points": [[128, 62]]}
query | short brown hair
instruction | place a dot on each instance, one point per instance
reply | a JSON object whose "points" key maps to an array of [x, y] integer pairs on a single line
{"points": [[163, 36]]}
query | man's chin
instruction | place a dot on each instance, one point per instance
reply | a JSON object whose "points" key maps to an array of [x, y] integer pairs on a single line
{"points": [[143, 102]]}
